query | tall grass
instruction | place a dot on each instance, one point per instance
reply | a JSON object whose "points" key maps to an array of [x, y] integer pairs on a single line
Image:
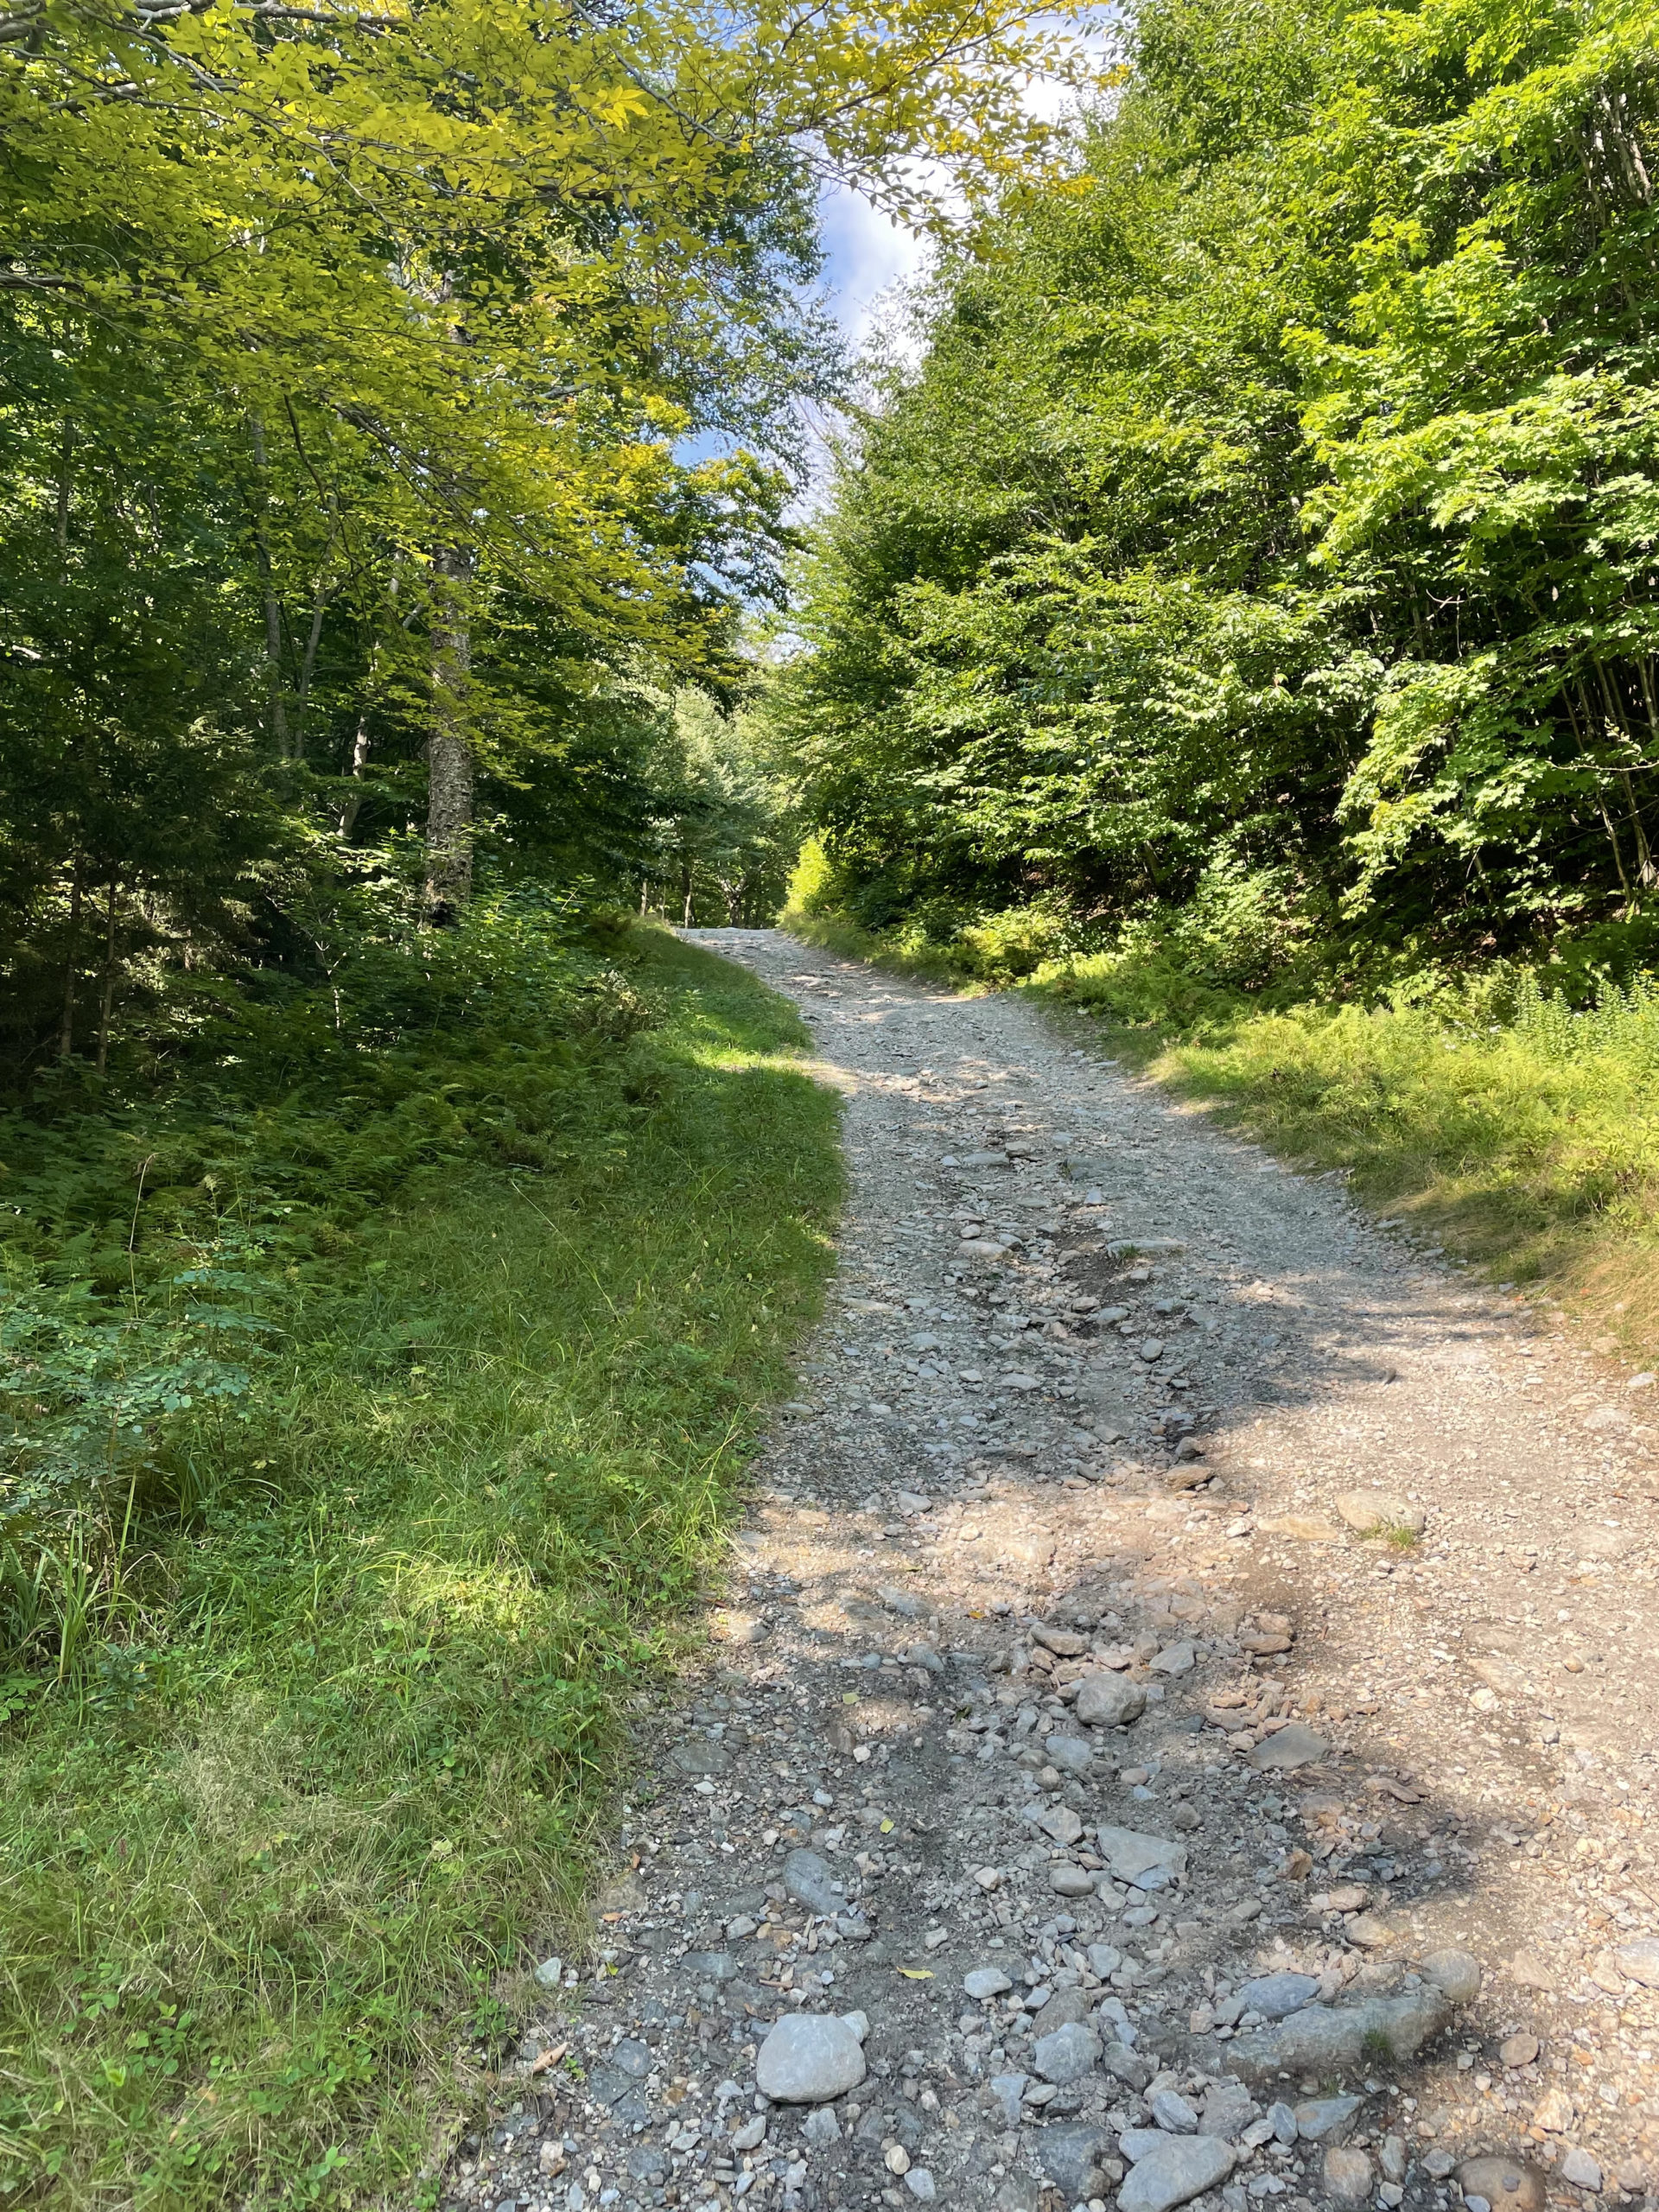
{"points": [[294, 1791]]}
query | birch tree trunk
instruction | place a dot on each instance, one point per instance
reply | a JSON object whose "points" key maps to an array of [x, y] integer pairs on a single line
{"points": [[448, 746]]}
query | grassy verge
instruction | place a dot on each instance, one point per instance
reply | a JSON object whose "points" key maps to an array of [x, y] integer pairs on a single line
{"points": [[317, 1707]]}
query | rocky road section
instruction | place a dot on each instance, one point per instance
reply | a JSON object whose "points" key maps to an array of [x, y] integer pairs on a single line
{"points": [[1182, 1730]]}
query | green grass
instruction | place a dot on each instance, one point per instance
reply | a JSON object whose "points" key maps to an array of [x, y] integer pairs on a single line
{"points": [[289, 1806]]}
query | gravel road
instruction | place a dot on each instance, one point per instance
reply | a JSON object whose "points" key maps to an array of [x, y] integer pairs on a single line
{"points": [[1182, 1729]]}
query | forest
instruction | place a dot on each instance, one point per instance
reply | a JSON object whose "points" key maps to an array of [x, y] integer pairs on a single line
{"points": [[1232, 615], [1254, 548]]}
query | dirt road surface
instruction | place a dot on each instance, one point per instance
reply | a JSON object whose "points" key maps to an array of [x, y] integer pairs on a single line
{"points": [[1182, 1725]]}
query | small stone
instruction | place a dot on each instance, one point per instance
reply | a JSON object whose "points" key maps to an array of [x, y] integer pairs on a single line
{"points": [[1377, 1512], [1347, 2174], [1320, 2117], [1274, 1995], [988, 1878], [1069, 2155], [1289, 1748], [897, 2160], [809, 1881], [808, 2059], [1071, 1754], [1457, 1973], [1349, 1897], [919, 2182], [751, 2135], [1368, 1932], [1067, 2055], [1512, 2185], [633, 2057], [550, 1973], [1063, 1642], [1640, 1960], [1518, 2050], [1282, 2120], [985, 1981], [1150, 1862], [1553, 2112], [1173, 1660], [1173, 2113], [1072, 1881], [1532, 1970], [710, 1965], [1062, 1824], [1177, 2168], [821, 2127], [1581, 2170], [1008, 2090], [1109, 1701]]}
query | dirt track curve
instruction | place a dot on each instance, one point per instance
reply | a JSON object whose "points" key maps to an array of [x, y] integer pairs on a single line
{"points": [[1080, 1806]]}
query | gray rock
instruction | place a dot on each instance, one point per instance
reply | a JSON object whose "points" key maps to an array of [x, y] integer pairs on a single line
{"points": [[1063, 1642], [1067, 2055], [1374, 1512], [1062, 1824], [1127, 2066], [1072, 1881], [1321, 2117], [710, 1965], [1071, 1754], [985, 1981], [697, 1755], [1177, 2168], [633, 2057], [1104, 1960], [1150, 1862], [1455, 1973], [808, 2059], [1066, 2006], [820, 2127], [1228, 2107], [919, 2182], [1134, 2142], [1323, 2039], [1274, 1995], [1640, 1960], [1008, 2090], [1070, 2154], [1282, 2120], [1019, 2193], [751, 2135], [1109, 1700], [1173, 2113], [1347, 2176], [1175, 1659], [1513, 2184], [1291, 1747], [550, 1973], [1581, 2170], [810, 1882]]}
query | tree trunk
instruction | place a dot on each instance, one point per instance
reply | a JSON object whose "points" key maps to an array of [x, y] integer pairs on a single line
{"points": [[685, 889], [64, 457], [348, 812], [67, 1027], [278, 705], [106, 999], [448, 749]]}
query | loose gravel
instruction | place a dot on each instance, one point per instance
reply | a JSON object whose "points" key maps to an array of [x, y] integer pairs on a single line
{"points": [[1181, 1729]]}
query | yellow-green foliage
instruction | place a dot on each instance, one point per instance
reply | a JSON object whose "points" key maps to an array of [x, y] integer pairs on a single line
{"points": [[278, 1842]]}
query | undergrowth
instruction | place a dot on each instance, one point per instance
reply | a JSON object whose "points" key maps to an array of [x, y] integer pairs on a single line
{"points": [[378, 1384]]}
